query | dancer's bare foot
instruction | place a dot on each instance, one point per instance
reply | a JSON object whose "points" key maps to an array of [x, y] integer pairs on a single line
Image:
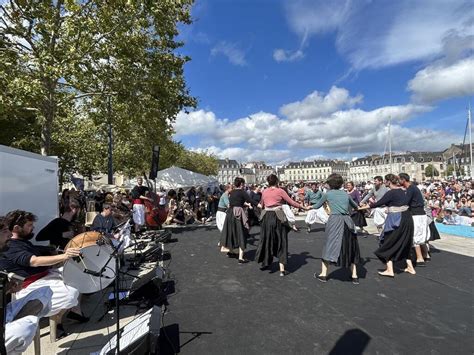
{"points": [[386, 273], [410, 271]]}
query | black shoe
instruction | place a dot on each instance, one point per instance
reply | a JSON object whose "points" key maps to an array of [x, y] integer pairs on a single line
{"points": [[420, 264], [60, 332], [284, 273], [243, 261], [263, 268], [320, 278], [232, 255], [77, 317], [355, 280]]}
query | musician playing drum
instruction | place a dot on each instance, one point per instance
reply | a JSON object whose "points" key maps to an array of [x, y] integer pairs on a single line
{"points": [[138, 197], [35, 264]]}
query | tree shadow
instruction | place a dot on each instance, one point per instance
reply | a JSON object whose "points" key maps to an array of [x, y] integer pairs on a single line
{"points": [[353, 341]]}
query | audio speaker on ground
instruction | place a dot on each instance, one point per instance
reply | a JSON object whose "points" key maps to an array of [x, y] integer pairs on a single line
{"points": [[140, 336]]}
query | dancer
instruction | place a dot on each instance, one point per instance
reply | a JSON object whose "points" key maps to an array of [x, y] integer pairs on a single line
{"points": [[375, 194], [274, 226], [222, 207], [398, 229], [314, 216], [341, 246], [356, 215], [421, 231], [434, 234], [236, 226]]}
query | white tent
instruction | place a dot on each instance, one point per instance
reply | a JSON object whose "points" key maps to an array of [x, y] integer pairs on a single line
{"points": [[174, 178]]}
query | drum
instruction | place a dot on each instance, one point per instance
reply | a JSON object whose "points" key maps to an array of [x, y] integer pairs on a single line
{"points": [[95, 269]]}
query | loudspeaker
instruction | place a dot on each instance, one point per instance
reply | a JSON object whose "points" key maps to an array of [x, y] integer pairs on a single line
{"points": [[138, 337], [148, 287], [155, 161]]}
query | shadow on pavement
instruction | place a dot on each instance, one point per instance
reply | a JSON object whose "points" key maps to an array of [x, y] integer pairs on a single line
{"points": [[353, 341]]}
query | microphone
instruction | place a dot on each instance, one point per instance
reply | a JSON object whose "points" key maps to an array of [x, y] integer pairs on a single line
{"points": [[96, 274], [91, 272]]}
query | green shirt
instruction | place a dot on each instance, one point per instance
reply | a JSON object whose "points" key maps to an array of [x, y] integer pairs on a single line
{"points": [[224, 200], [338, 200]]}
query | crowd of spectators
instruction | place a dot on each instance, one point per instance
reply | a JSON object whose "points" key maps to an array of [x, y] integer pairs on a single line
{"points": [[449, 202]]}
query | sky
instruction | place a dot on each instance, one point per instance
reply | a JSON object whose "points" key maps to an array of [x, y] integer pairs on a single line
{"points": [[288, 80]]}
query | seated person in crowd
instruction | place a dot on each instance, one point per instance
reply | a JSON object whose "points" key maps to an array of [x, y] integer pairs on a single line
{"points": [[449, 203], [452, 218], [34, 263], [464, 207], [22, 315], [60, 230], [104, 222]]}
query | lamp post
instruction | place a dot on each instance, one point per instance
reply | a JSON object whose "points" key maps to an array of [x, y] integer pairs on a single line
{"points": [[110, 177]]}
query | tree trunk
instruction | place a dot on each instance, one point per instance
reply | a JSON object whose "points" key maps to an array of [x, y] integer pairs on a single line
{"points": [[49, 111]]}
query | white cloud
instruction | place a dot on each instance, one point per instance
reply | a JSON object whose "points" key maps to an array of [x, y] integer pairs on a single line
{"points": [[196, 122], [374, 34], [248, 154], [281, 55], [316, 104], [235, 55], [439, 82], [317, 125]]}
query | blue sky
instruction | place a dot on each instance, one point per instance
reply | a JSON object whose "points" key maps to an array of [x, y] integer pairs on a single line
{"points": [[288, 80]]}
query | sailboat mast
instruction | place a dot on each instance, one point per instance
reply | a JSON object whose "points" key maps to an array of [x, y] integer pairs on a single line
{"points": [[390, 141], [470, 139]]}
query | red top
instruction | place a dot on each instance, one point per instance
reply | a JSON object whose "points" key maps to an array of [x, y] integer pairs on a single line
{"points": [[273, 197]]}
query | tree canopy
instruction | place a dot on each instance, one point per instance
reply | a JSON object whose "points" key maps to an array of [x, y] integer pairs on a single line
{"points": [[69, 69]]}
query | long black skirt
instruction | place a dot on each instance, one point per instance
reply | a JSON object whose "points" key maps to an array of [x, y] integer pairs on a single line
{"points": [[273, 240], [434, 234], [350, 252], [359, 219], [397, 243], [234, 234]]}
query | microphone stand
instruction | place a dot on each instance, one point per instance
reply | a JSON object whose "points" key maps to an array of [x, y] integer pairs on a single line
{"points": [[116, 290]]}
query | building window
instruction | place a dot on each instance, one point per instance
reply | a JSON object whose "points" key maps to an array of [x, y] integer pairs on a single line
{"points": [[422, 167]]}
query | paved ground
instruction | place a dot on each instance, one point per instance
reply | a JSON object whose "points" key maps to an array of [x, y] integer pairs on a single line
{"points": [[220, 307]]}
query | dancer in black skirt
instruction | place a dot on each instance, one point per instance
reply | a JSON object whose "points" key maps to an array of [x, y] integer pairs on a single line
{"points": [[274, 226], [357, 215], [342, 246], [397, 236], [236, 226]]}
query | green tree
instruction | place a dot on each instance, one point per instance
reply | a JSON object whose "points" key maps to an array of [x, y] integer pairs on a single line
{"points": [[200, 162], [431, 171], [69, 69], [450, 170]]}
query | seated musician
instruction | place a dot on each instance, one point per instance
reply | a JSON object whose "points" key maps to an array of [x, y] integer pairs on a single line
{"points": [[59, 231], [35, 264], [22, 315], [104, 222]]}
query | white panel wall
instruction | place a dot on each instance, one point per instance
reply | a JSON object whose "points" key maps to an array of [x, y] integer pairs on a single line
{"points": [[29, 182]]}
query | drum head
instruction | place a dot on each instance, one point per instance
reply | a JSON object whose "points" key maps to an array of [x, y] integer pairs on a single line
{"points": [[94, 258]]}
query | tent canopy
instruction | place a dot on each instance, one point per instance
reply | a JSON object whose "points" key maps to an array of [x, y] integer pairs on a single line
{"points": [[174, 177]]}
